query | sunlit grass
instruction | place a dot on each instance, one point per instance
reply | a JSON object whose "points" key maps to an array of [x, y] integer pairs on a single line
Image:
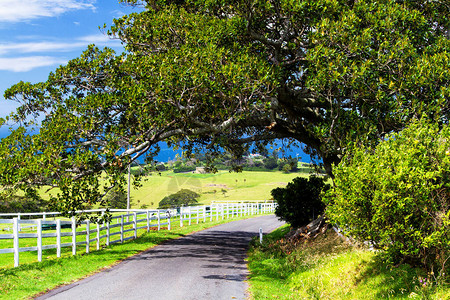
{"points": [[329, 268]]}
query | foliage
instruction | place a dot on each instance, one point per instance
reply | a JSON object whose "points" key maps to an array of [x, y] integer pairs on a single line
{"points": [[184, 169], [397, 195], [300, 201], [183, 197], [270, 163], [160, 167], [20, 204], [117, 198], [216, 75]]}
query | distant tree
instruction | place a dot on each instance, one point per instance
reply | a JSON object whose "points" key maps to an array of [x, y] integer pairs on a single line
{"points": [[21, 204], [160, 167], [117, 198], [270, 163], [224, 192], [287, 168], [183, 197]]}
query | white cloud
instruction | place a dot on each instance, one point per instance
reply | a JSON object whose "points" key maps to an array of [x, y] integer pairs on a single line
{"points": [[25, 64], [52, 46], [24, 10], [33, 47], [98, 39], [12, 59]]}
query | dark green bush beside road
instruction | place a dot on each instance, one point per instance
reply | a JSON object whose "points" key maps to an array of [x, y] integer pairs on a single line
{"points": [[300, 201]]}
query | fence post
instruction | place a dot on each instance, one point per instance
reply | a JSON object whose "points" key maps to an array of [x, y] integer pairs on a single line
{"points": [[98, 235], [58, 238], [135, 225], [18, 218], [198, 213], [169, 223], [88, 229], [39, 240], [44, 215], [181, 216], [74, 236], [204, 213], [148, 221], [190, 216], [260, 235], [108, 233], [159, 220], [16, 241], [211, 212], [121, 228]]}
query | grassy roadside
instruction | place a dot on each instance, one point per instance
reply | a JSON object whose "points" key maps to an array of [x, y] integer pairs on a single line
{"points": [[329, 268], [30, 279]]}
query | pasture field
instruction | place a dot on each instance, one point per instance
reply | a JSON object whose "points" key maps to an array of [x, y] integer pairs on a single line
{"points": [[222, 186]]}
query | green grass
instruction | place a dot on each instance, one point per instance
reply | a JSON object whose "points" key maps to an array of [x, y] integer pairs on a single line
{"points": [[329, 268], [248, 185], [31, 278]]}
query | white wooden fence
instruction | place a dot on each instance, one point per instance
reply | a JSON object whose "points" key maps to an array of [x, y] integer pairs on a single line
{"points": [[117, 230]]}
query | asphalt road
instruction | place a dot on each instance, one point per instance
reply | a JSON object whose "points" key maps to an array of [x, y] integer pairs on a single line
{"points": [[209, 264]]}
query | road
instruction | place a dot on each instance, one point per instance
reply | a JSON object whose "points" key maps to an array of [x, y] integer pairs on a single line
{"points": [[209, 264]]}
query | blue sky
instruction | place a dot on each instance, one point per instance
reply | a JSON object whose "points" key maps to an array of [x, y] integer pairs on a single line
{"points": [[36, 36]]}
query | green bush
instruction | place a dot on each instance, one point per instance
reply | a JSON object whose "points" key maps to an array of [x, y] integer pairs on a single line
{"points": [[270, 163], [183, 197], [117, 198], [300, 201], [184, 169], [397, 195], [21, 204]]}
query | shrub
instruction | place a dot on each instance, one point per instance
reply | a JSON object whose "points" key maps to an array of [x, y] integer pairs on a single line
{"points": [[160, 167], [397, 195], [270, 163], [184, 169], [300, 201], [183, 197], [21, 204], [117, 198]]}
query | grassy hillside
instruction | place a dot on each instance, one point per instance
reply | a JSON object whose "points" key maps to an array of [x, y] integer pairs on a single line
{"points": [[330, 268], [223, 186]]}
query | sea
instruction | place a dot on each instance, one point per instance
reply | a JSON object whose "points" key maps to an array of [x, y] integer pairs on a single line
{"points": [[168, 153]]}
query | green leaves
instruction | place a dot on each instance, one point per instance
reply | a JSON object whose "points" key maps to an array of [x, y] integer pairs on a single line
{"points": [[215, 74], [396, 195]]}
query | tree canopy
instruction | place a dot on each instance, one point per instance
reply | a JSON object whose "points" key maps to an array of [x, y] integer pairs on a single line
{"points": [[183, 197], [223, 74]]}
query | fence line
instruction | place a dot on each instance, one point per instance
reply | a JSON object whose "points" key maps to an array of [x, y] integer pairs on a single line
{"points": [[116, 229]]}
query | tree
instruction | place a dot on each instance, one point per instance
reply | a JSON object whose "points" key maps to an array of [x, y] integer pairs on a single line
{"points": [[213, 75], [300, 201], [270, 163], [117, 198], [183, 197]]}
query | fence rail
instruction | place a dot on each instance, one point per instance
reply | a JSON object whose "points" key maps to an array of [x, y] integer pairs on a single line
{"points": [[117, 230]]}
